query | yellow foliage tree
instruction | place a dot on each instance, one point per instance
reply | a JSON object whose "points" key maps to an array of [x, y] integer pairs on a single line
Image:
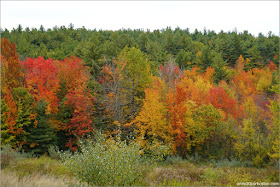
{"points": [[151, 123], [274, 127]]}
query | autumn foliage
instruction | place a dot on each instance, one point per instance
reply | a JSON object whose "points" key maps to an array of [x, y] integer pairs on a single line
{"points": [[41, 80], [189, 111]]}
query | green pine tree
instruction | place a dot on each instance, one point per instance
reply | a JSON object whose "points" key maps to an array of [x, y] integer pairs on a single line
{"points": [[42, 136], [219, 65]]}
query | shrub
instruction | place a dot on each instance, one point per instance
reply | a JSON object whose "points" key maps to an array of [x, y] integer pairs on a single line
{"points": [[107, 163]]}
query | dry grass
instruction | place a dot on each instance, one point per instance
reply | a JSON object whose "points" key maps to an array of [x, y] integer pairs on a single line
{"points": [[10, 178], [188, 174], [182, 172]]}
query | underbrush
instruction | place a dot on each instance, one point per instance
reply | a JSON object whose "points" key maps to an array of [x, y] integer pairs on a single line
{"points": [[118, 163]]}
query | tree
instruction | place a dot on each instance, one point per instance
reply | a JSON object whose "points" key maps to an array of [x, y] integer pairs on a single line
{"points": [[26, 116], [9, 129], [219, 99], [74, 118], [220, 67], [176, 105], [205, 58], [113, 85], [42, 81], [197, 84], [142, 41], [244, 85], [137, 76], [246, 146], [250, 144], [91, 53], [11, 71], [151, 123], [42, 135], [16, 117], [239, 66], [235, 50], [170, 73], [157, 54], [274, 131], [80, 105], [207, 134], [255, 57], [185, 59]]}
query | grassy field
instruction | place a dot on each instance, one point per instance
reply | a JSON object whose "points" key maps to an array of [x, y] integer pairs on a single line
{"points": [[45, 171]]}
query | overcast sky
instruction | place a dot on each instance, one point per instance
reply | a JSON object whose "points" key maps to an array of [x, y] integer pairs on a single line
{"points": [[254, 16]]}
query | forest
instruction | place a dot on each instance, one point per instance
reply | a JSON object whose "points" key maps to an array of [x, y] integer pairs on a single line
{"points": [[167, 93]]}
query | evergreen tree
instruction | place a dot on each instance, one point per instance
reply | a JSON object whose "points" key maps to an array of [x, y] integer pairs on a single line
{"points": [[41, 136], [236, 49], [206, 57], [255, 57], [220, 68]]}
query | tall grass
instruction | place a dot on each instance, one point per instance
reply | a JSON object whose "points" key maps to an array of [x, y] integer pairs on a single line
{"points": [[10, 155]]}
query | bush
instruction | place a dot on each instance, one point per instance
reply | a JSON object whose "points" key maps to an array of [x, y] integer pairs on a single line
{"points": [[107, 163]]}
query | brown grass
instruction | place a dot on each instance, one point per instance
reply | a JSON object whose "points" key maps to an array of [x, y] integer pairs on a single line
{"points": [[184, 172], [188, 174]]}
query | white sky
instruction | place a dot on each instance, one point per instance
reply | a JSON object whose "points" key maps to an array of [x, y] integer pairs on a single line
{"points": [[254, 16]]}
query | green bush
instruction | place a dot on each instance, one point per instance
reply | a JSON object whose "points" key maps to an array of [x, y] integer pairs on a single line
{"points": [[107, 163]]}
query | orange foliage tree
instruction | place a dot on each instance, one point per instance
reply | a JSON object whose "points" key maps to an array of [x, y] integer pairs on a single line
{"points": [[9, 129], [176, 104], [76, 102], [11, 71], [42, 81], [219, 98]]}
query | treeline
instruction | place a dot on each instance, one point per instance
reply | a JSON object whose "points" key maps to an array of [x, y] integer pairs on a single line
{"points": [[192, 93], [197, 48]]}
